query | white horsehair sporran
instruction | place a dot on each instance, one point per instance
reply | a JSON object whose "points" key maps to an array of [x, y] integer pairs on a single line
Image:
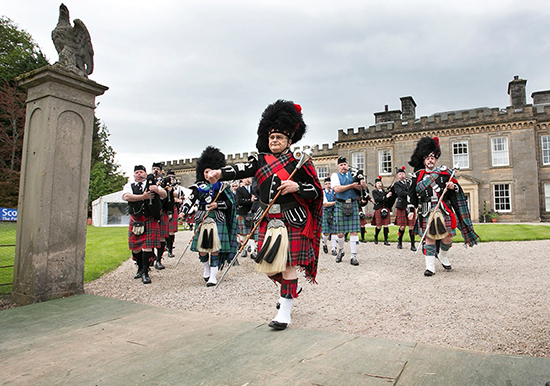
{"points": [[437, 230], [274, 248], [209, 240]]}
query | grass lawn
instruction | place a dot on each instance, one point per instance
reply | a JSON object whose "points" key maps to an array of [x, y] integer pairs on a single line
{"points": [[107, 248]]}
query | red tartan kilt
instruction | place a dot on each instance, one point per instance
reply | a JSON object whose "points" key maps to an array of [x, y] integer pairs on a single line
{"points": [[164, 224], [378, 220], [301, 251], [401, 218], [190, 219], [173, 224], [149, 239]]}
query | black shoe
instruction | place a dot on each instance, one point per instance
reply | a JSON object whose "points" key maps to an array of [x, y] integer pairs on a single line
{"points": [[244, 253], [334, 252], [428, 273], [171, 255], [206, 278], [278, 325], [138, 274], [145, 278], [158, 265], [447, 267], [399, 246], [386, 243], [253, 256], [413, 248], [325, 249], [376, 241], [340, 255], [354, 261], [249, 248]]}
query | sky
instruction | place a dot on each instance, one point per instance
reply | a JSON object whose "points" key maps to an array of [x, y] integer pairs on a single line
{"points": [[183, 75]]}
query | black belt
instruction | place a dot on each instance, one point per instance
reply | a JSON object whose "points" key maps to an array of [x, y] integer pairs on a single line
{"points": [[284, 206]]}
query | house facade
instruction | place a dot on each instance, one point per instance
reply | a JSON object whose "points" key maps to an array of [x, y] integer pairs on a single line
{"points": [[503, 155]]}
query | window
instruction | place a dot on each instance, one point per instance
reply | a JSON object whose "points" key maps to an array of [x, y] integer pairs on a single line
{"points": [[384, 162], [545, 149], [358, 161], [547, 197], [501, 198], [460, 154], [322, 172], [499, 151]]}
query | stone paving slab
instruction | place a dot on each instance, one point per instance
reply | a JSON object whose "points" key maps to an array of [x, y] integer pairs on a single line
{"points": [[91, 340]]}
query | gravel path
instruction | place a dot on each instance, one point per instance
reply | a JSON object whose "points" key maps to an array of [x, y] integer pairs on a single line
{"points": [[494, 300]]}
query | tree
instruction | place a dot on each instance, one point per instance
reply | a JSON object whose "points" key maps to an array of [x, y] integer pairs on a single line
{"points": [[12, 120], [18, 54], [105, 177]]}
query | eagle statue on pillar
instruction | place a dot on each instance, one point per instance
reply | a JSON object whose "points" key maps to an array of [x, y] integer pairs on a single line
{"points": [[73, 44]]}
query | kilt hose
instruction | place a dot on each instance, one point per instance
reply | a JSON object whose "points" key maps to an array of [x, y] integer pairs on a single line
{"points": [[149, 239], [344, 224], [242, 228], [421, 223], [300, 248], [327, 226], [223, 233], [164, 224], [401, 218]]}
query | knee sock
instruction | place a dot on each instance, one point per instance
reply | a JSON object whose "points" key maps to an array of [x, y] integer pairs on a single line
{"points": [[353, 240], [325, 239], [376, 233], [277, 278], [386, 233], [430, 257], [289, 289], [160, 250], [137, 256], [341, 242], [170, 243], [443, 249], [146, 259], [411, 235], [363, 233], [400, 234], [334, 241]]}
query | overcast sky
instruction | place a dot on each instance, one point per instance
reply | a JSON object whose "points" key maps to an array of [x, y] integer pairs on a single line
{"points": [[183, 75]]}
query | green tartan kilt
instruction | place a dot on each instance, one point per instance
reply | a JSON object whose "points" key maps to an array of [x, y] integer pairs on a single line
{"points": [[325, 226], [344, 224], [222, 233]]}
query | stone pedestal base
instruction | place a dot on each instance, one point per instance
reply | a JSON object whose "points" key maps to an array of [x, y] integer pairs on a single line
{"points": [[53, 192]]}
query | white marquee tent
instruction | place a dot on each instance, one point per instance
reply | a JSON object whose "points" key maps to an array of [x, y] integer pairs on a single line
{"points": [[110, 210]]}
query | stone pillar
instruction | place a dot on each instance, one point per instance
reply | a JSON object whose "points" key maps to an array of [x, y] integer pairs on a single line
{"points": [[53, 192]]}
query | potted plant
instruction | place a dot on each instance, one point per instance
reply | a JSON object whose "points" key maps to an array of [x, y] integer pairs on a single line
{"points": [[494, 216]]}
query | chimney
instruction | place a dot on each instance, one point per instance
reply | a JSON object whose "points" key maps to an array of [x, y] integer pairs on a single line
{"points": [[541, 97], [516, 90], [408, 108]]}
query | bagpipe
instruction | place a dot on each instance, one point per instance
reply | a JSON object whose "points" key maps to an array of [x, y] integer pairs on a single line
{"points": [[359, 176], [155, 204]]}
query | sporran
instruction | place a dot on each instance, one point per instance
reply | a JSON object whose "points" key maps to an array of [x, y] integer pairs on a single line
{"points": [[273, 255], [438, 230], [138, 228], [209, 240]]}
